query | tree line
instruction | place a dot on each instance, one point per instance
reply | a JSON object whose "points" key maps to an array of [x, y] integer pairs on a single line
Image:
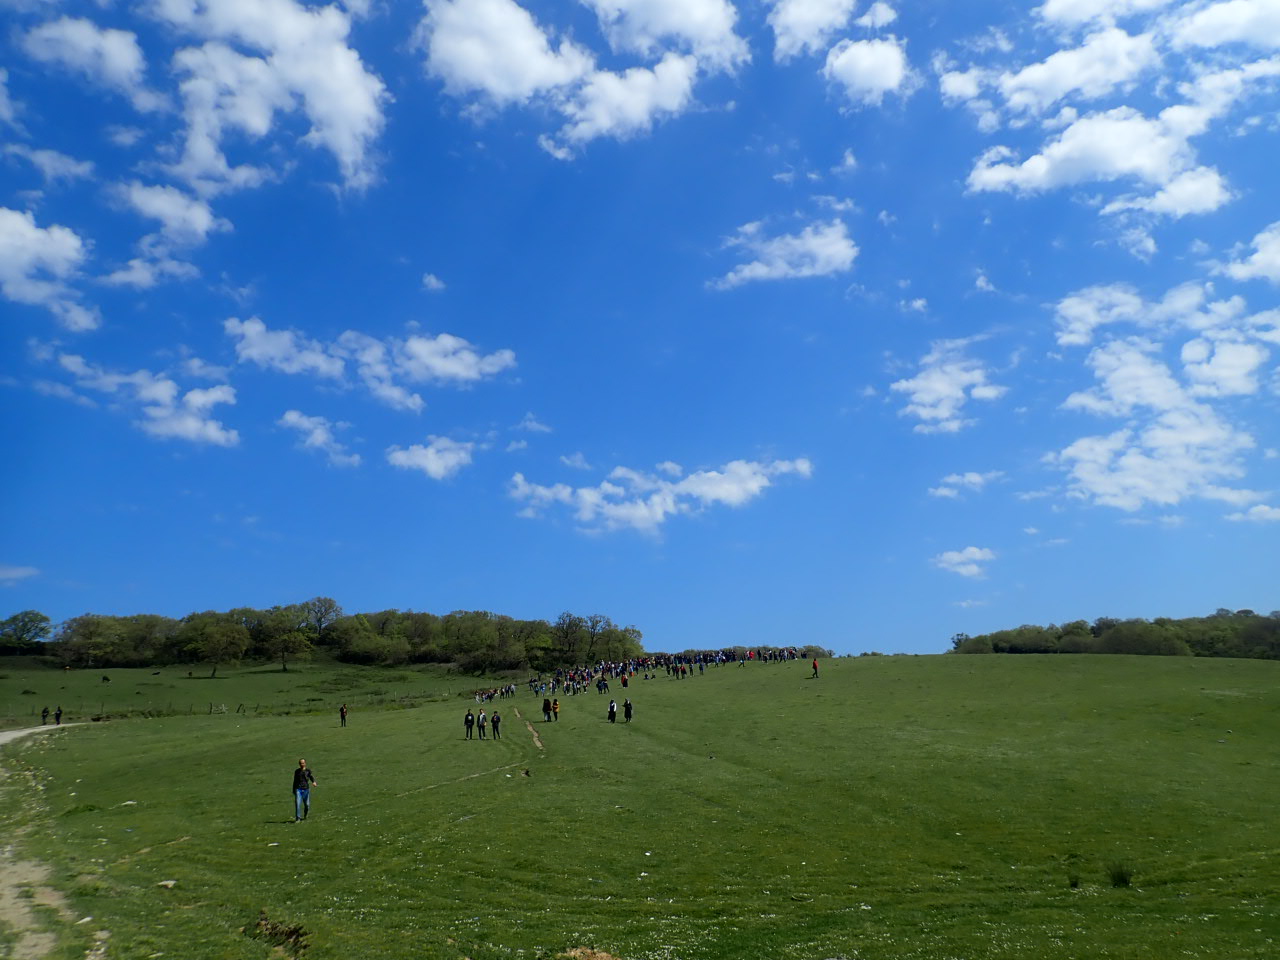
{"points": [[476, 640], [1224, 633]]}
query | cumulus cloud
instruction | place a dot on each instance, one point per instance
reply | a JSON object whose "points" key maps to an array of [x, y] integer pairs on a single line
{"points": [[636, 500], [806, 26], [317, 433], [953, 484], [1253, 22], [968, 562], [819, 250], [624, 104], [1264, 262], [1083, 11], [1174, 447], [651, 27], [55, 167], [431, 282], [440, 459], [1123, 144], [867, 70], [166, 411], [111, 58], [284, 350], [184, 220], [495, 48], [878, 16], [36, 264], [1106, 60], [1260, 513], [379, 364], [947, 380], [306, 63]]}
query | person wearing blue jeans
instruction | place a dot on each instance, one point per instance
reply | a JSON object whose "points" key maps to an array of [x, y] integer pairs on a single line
{"points": [[303, 781]]}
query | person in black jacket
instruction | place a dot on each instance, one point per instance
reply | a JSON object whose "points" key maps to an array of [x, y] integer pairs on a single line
{"points": [[303, 781]]}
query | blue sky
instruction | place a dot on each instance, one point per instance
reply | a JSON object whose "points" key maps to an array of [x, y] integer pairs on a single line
{"points": [[779, 322]]}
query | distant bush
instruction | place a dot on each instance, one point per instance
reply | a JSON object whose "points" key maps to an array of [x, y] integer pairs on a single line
{"points": [[1120, 873], [1224, 634]]}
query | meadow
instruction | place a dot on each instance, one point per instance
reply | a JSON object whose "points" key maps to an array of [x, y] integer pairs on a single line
{"points": [[977, 808]]}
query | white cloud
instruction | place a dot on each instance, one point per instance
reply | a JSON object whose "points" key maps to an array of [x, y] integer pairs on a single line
{"points": [[967, 562], [1083, 11], [317, 433], [166, 411], [1261, 513], [306, 63], [379, 364], [284, 350], [878, 16], [1254, 22], [869, 69], [10, 574], [954, 483], [431, 282], [184, 220], [625, 104], [515, 445], [946, 382], [805, 26], [495, 47], [1175, 448], [576, 461], [1264, 262], [532, 425], [630, 499], [1219, 368], [819, 250], [1122, 144], [440, 459], [53, 166], [35, 265], [1106, 60], [449, 358], [109, 57], [649, 27], [8, 110]]}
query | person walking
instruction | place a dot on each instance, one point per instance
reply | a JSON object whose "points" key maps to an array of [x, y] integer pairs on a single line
{"points": [[815, 669], [497, 725], [469, 721], [546, 710], [613, 711], [555, 710], [57, 716], [303, 781], [44, 716], [626, 710], [483, 723], [342, 714]]}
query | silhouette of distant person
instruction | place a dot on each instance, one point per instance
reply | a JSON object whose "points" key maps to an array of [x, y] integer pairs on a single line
{"points": [[626, 710], [613, 711], [44, 716], [469, 721], [496, 720], [57, 716], [815, 669], [342, 714]]}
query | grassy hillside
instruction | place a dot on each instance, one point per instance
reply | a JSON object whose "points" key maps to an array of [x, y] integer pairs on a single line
{"points": [[931, 807]]}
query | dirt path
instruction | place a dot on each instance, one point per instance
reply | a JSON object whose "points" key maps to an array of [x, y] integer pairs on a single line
{"points": [[23, 883]]}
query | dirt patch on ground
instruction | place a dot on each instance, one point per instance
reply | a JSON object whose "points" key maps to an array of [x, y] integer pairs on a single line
{"points": [[24, 888], [587, 953], [537, 740]]}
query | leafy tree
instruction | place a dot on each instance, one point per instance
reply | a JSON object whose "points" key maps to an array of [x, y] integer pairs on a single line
{"points": [[214, 638], [292, 645], [321, 613], [91, 640], [24, 632]]}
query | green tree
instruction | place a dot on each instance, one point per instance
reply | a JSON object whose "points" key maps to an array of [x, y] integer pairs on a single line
{"points": [[214, 638], [24, 632], [292, 645]]}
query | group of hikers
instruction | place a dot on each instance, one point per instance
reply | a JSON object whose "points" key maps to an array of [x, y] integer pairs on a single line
{"points": [[571, 682]]}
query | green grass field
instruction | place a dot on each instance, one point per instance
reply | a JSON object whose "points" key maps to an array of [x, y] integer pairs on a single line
{"points": [[974, 808]]}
